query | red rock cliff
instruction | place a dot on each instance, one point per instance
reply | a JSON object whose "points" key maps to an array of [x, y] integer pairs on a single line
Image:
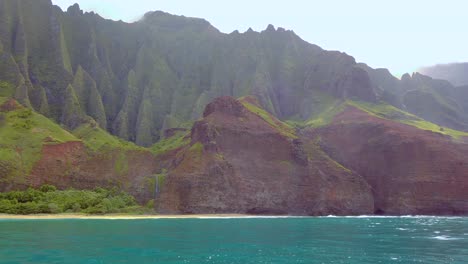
{"points": [[411, 171], [239, 163]]}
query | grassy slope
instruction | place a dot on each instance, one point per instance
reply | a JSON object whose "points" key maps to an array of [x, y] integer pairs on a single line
{"points": [[178, 140], [96, 139], [285, 129], [390, 112], [22, 134], [381, 110]]}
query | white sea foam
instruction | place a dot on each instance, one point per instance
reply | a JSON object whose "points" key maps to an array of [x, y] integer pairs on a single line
{"points": [[249, 217], [445, 238], [402, 216]]}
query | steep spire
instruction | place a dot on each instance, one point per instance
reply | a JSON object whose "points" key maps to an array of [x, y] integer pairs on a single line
{"points": [[75, 10]]}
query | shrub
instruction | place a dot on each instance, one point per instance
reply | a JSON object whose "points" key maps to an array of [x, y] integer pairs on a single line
{"points": [[48, 188], [50, 200], [24, 113], [53, 208]]}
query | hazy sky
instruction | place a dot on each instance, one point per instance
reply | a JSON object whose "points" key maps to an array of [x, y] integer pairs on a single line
{"points": [[401, 35]]}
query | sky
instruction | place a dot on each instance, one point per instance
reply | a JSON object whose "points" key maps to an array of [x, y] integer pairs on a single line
{"points": [[401, 35]]}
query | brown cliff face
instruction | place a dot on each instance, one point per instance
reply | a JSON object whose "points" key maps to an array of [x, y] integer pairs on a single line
{"points": [[411, 171], [71, 165], [238, 162]]}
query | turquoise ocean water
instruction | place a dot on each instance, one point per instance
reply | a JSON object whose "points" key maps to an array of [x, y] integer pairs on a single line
{"points": [[252, 240]]}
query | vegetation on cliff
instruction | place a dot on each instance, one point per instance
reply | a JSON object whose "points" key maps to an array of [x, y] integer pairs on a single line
{"points": [[97, 139], [387, 111], [23, 133], [178, 140], [48, 200]]}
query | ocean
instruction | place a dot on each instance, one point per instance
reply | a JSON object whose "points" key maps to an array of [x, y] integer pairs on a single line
{"points": [[237, 240]]}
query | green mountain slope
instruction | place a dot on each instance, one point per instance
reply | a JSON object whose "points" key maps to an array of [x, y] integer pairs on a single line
{"points": [[23, 133], [138, 79]]}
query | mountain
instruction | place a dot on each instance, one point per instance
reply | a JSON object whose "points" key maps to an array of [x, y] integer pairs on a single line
{"points": [[141, 78], [456, 73], [138, 79], [359, 158], [193, 120]]}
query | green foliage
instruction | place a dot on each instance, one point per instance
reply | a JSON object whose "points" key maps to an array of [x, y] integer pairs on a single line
{"points": [[325, 117], [196, 149], [6, 89], [72, 114], [22, 135], [144, 136], [47, 188], [89, 97], [283, 128], [48, 200], [180, 139], [386, 111], [97, 139], [121, 164], [150, 204]]}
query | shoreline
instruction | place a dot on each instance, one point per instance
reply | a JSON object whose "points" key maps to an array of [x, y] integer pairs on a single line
{"points": [[118, 216], [193, 216]]}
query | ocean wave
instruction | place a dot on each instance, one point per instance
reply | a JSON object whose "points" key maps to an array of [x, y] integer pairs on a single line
{"points": [[443, 237]]}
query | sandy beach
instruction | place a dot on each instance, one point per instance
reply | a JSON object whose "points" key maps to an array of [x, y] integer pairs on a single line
{"points": [[117, 216]]}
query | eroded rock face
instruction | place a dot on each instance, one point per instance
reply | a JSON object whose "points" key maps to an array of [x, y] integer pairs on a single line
{"points": [[411, 171], [239, 163], [70, 165]]}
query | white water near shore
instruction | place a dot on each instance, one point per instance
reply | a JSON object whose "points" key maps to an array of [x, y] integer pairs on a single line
{"points": [[196, 216]]}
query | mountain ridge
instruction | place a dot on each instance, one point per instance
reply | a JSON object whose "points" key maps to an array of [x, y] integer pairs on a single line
{"points": [[452, 72]]}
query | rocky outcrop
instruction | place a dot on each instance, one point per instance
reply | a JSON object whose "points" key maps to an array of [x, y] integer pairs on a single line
{"points": [[410, 171], [356, 84], [239, 163]]}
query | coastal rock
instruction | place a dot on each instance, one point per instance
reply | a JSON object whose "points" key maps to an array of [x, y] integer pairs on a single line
{"points": [[410, 170], [238, 162]]}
